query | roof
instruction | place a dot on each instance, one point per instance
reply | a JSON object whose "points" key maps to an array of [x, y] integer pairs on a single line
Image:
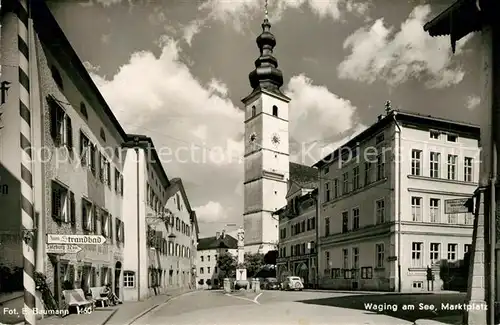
{"points": [[52, 37], [287, 209], [213, 242], [458, 20], [177, 185], [405, 119], [302, 175], [146, 143]]}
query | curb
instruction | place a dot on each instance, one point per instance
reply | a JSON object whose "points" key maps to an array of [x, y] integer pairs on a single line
{"points": [[109, 317], [136, 317], [17, 296]]}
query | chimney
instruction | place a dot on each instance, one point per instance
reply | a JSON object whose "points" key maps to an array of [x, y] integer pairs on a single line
{"points": [[223, 234], [217, 235]]}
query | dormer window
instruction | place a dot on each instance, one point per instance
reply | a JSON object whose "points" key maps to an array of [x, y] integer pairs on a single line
{"points": [[83, 110], [103, 134], [452, 137], [434, 134], [254, 111], [275, 110]]}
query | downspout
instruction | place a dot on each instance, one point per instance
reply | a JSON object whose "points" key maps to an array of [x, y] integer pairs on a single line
{"points": [[492, 233], [399, 201], [317, 241]]}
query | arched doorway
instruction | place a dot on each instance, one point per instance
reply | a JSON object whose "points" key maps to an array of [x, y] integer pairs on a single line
{"points": [[118, 271], [303, 271]]}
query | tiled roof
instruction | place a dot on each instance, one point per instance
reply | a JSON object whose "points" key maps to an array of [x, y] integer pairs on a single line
{"points": [[304, 176], [212, 242]]}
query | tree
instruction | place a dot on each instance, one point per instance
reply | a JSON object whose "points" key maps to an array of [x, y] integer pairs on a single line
{"points": [[271, 257], [226, 263], [253, 263]]}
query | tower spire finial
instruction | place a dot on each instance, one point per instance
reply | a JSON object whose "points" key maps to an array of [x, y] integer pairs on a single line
{"points": [[266, 13]]}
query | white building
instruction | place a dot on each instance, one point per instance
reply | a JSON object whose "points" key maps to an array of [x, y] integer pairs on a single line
{"points": [[383, 221], [160, 227], [298, 236], [209, 248]]}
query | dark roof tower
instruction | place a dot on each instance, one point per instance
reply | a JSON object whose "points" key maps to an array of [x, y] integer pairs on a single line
{"points": [[266, 74]]}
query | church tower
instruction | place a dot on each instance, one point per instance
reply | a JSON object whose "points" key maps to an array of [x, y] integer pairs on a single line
{"points": [[266, 154]]}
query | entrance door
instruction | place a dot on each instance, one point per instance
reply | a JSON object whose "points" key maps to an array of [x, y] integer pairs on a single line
{"points": [[118, 271]]}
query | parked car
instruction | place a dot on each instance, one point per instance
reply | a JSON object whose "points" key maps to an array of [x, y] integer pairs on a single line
{"points": [[271, 284], [292, 283]]}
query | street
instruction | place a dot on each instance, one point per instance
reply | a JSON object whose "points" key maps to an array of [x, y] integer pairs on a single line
{"points": [[307, 307]]}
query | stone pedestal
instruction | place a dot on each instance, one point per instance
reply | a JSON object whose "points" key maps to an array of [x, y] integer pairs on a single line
{"points": [[227, 285], [241, 274], [256, 285], [476, 293]]}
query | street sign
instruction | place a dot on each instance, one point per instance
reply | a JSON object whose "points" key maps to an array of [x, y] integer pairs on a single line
{"points": [[75, 239], [62, 249], [456, 206]]}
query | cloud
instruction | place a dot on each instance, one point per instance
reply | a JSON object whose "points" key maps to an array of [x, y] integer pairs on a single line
{"points": [[317, 118], [158, 96], [238, 13], [380, 53], [211, 212], [472, 102], [218, 87]]}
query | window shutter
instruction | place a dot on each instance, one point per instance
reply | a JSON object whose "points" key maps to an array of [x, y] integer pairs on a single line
{"points": [[69, 133], [92, 158], [110, 228], [55, 213], [121, 184], [72, 209], [53, 117], [96, 219], [85, 215], [122, 231]]}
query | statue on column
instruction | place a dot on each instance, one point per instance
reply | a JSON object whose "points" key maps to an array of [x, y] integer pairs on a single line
{"points": [[241, 272]]}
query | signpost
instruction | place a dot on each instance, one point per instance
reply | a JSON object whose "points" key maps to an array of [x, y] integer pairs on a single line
{"points": [[62, 249], [63, 239], [457, 206]]}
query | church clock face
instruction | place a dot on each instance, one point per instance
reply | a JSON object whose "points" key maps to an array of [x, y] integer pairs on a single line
{"points": [[253, 137], [275, 139]]}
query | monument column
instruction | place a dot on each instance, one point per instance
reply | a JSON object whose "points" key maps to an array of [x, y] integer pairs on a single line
{"points": [[241, 271]]}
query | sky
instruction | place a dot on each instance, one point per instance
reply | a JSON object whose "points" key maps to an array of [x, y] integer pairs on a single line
{"points": [[177, 71]]}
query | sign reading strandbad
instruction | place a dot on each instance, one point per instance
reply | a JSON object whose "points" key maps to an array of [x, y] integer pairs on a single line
{"points": [[76, 239]]}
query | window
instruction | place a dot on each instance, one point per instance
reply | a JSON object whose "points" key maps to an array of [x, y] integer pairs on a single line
{"points": [[355, 258], [129, 279], [468, 169], [57, 77], [345, 221], [345, 188], [434, 134], [416, 208], [336, 188], [452, 252], [326, 170], [60, 125], [469, 219], [327, 226], [452, 167], [467, 248], [380, 211], [103, 134], [355, 218], [275, 110], [215, 269], [434, 253], [63, 204], [434, 210], [327, 259], [254, 111], [345, 254], [380, 251], [327, 191], [355, 179], [416, 254], [208, 258], [453, 218], [202, 271], [434, 164], [208, 270], [87, 216], [368, 173], [380, 167], [83, 110], [93, 160], [84, 149], [416, 162], [418, 285], [452, 137]]}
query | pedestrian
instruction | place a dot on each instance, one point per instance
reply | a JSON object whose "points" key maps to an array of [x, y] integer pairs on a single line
{"points": [[111, 295], [430, 279]]}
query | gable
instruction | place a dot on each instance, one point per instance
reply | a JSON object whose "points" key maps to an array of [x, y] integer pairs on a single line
{"points": [[293, 188]]}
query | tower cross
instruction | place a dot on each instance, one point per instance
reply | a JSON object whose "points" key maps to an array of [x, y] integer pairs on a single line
{"points": [[266, 13]]}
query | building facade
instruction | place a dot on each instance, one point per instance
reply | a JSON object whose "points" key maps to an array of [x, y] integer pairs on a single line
{"points": [[393, 202], [298, 237], [209, 249], [76, 160], [161, 227]]}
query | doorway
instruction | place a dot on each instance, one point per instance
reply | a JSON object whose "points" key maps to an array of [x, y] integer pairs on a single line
{"points": [[118, 271]]}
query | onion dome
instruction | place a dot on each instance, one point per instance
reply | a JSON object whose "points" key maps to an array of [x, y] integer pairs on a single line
{"points": [[266, 74]]}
